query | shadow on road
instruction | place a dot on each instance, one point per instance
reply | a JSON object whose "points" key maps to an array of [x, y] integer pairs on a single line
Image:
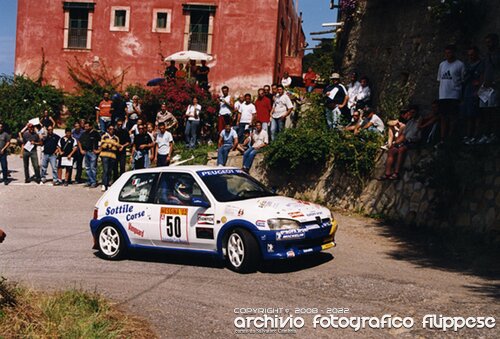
{"points": [[454, 250], [203, 260], [294, 265]]}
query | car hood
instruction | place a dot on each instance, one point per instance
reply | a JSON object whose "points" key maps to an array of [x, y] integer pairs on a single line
{"points": [[261, 209]]}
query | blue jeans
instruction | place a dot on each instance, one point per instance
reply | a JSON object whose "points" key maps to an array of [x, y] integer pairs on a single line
{"points": [[332, 117], [222, 154], [108, 164], [277, 125], [241, 131], [191, 132], [91, 167], [3, 163], [248, 157], [103, 125], [52, 158]]}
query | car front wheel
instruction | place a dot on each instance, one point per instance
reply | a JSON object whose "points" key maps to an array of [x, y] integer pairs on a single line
{"points": [[242, 251], [111, 244]]}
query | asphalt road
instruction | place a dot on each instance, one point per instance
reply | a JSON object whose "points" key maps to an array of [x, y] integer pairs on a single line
{"points": [[371, 273]]}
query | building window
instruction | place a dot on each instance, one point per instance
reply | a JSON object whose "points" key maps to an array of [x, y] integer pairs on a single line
{"points": [[120, 19], [198, 31], [161, 20], [78, 25]]}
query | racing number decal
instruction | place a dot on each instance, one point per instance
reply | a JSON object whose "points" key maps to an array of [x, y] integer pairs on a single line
{"points": [[173, 223]]}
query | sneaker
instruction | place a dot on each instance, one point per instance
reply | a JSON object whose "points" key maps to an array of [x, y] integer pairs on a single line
{"points": [[491, 138], [103, 188], [385, 147], [93, 186], [483, 140], [57, 183], [44, 180], [27, 181], [86, 184], [470, 141], [66, 183], [6, 182]]}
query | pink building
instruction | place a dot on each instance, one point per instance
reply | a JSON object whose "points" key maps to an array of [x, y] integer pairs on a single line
{"points": [[252, 41]]}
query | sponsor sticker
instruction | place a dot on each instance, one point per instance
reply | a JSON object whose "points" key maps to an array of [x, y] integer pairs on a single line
{"points": [[135, 230], [127, 210], [307, 250], [219, 172], [291, 234], [327, 246], [232, 210], [290, 254], [296, 214], [205, 219], [261, 223], [270, 248]]}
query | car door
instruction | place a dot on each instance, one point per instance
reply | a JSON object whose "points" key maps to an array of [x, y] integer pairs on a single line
{"points": [[184, 216], [134, 207]]}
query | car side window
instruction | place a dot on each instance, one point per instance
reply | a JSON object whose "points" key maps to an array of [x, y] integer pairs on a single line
{"points": [[178, 189], [138, 188]]}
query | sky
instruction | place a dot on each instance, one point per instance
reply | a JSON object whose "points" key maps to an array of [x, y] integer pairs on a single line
{"points": [[314, 13]]}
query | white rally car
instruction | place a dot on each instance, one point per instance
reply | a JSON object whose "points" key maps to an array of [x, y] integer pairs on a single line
{"points": [[213, 210]]}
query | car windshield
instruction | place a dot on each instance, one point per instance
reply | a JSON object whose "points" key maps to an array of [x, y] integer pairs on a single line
{"points": [[234, 186]]}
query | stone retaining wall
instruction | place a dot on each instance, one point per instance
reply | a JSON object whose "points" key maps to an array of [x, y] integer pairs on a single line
{"points": [[408, 200]]}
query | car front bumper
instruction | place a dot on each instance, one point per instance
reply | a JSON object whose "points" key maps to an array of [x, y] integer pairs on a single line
{"points": [[295, 243]]}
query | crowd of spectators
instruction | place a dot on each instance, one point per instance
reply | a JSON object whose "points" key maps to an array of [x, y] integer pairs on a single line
{"points": [[467, 106]]}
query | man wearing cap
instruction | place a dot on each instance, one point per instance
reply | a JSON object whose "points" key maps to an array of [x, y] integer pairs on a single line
{"points": [[31, 140], [336, 101]]}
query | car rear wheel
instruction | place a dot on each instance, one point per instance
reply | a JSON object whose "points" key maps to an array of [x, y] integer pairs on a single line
{"points": [[242, 251], [111, 244]]}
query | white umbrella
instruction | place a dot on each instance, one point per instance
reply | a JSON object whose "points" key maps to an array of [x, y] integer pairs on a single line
{"points": [[189, 55]]}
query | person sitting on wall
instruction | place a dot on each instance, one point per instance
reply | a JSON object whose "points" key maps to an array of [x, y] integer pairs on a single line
{"points": [[355, 121], [170, 71], [408, 138], [228, 141], [371, 122], [245, 142], [429, 123]]}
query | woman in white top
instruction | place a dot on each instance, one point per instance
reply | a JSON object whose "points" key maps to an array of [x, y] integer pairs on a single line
{"points": [[192, 122]]}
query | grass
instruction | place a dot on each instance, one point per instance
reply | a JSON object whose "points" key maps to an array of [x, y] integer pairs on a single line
{"points": [[25, 313], [199, 153]]}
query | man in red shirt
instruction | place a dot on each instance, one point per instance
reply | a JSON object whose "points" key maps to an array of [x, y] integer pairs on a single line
{"points": [[103, 112], [310, 80], [263, 106]]}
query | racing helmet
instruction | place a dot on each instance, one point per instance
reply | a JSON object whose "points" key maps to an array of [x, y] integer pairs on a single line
{"points": [[183, 189]]}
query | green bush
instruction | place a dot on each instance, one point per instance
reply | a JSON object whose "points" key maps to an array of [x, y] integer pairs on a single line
{"points": [[311, 145], [22, 99]]}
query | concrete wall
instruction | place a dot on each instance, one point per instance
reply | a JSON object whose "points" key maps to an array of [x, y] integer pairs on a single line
{"points": [[247, 35], [410, 200]]}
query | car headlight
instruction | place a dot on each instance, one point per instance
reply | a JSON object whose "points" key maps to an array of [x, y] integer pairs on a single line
{"points": [[283, 224]]}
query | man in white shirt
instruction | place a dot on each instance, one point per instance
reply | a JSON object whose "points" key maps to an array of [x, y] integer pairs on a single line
{"points": [[451, 77], [282, 108], [352, 90], [286, 81], [226, 108], [260, 139], [164, 146], [246, 115], [371, 122]]}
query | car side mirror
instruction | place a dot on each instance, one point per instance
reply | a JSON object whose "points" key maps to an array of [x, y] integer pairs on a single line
{"points": [[200, 203]]}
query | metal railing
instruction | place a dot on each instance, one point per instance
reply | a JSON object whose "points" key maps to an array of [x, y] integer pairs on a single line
{"points": [[77, 37], [198, 38]]}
